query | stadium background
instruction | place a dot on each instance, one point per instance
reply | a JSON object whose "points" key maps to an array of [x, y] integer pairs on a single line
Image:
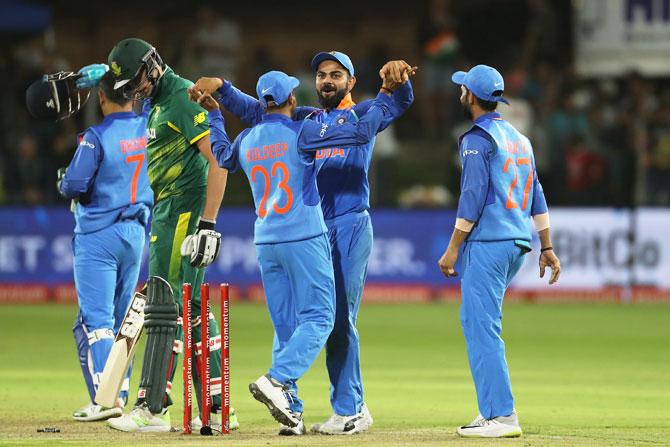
{"points": [[587, 81]]}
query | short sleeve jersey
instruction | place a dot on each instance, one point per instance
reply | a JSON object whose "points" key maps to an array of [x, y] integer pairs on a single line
{"points": [[174, 128]]}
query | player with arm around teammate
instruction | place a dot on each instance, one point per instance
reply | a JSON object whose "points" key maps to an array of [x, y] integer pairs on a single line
{"points": [[344, 191], [278, 157], [108, 177], [500, 196]]}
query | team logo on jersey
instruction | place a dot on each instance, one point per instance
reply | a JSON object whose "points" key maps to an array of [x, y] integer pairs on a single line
{"points": [[151, 133], [87, 144], [341, 120], [470, 152], [329, 153], [199, 118], [116, 69]]}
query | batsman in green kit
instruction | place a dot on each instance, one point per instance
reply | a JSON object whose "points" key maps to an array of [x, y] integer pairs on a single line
{"points": [[188, 187]]}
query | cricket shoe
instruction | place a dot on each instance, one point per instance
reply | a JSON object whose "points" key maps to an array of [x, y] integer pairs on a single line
{"points": [[95, 412], [140, 419], [345, 425], [498, 427], [275, 395], [298, 430], [215, 422]]}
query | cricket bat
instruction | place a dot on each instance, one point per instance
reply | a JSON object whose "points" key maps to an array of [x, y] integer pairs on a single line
{"points": [[122, 353]]}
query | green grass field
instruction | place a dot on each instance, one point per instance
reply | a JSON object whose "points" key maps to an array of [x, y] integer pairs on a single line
{"points": [[583, 375]]}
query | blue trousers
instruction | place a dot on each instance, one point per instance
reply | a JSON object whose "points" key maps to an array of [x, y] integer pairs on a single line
{"points": [[350, 238], [488, 268], [299, 291], [106, 268]]}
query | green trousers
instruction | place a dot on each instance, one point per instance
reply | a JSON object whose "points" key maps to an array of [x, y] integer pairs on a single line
{"points": [[173, 219]]}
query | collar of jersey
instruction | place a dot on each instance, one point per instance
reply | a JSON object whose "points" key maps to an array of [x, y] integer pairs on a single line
{"points": [[119, 115], [346, 102], [162, 84], [488, 116], [275, 117]]}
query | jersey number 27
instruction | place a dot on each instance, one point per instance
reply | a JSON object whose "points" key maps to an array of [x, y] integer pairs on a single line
{"points": [[511, 203]]}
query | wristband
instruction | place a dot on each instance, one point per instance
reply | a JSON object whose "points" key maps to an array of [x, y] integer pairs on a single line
{"points": [[464, 225], [204, 224], [387, 89], [542, 250]]}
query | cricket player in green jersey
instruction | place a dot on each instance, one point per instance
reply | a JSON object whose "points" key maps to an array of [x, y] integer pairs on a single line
{"points": [[188, 186]]}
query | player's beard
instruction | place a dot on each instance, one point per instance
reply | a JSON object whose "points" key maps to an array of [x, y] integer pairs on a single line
{"points": [[331, 102], [467, 111]]}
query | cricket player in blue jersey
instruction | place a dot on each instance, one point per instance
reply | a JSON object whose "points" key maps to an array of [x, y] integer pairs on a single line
{"points": [[278, 155], [108, 178], [345, 199], [500, 195]]}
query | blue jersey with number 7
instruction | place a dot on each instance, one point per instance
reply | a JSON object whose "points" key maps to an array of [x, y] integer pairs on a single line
{"points": [[108, 173], [277, 156]]}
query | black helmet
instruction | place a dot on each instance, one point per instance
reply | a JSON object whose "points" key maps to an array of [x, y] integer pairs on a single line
{"points": [[55, 96]]}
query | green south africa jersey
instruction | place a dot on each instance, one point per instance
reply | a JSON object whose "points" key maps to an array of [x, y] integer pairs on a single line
{"points": [[174, 127]]}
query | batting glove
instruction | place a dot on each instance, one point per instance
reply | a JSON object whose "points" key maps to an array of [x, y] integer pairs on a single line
{"points": [[60, 175], [203, 246], [91, 75]]}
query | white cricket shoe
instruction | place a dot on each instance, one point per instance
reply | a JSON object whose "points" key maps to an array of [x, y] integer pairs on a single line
{"points": [[215, 422], [95, 412], [298, 430], [274, 395], [345, 425], [140, 419], [366, 414], [498, 427]]}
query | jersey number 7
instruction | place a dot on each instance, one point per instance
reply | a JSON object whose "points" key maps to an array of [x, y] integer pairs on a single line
{"points": [[139, 159], [511, 203], [283, 185]]}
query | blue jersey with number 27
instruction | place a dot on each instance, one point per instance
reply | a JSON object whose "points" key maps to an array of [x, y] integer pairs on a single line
{"points": [[500, 190]]}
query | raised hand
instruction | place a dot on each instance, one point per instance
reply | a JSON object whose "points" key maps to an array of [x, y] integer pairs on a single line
{"points": [[91, 75], [395, 73], [204, 86], [207, 102]]}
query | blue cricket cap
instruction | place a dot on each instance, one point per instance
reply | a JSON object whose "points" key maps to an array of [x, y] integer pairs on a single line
{"points": [[336, 56], [483, 81], [276, 84]]}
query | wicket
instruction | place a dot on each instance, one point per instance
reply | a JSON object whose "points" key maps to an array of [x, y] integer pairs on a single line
{"points": [[203, 367]]}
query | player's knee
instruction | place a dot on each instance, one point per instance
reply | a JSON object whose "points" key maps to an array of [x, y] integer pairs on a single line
{"points": [[326, 323]]}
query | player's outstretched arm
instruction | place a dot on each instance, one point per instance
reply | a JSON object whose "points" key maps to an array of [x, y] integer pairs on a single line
{"points": [[315, 135], [395, 77], [245, 107], [222, 149]]}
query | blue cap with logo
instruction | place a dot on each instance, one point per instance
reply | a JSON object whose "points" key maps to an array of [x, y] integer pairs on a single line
{"points": [[483, 81], [336, 56], [276, 84]]}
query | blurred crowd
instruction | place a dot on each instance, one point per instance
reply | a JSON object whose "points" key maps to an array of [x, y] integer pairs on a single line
{"points": [[598, 142]]}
